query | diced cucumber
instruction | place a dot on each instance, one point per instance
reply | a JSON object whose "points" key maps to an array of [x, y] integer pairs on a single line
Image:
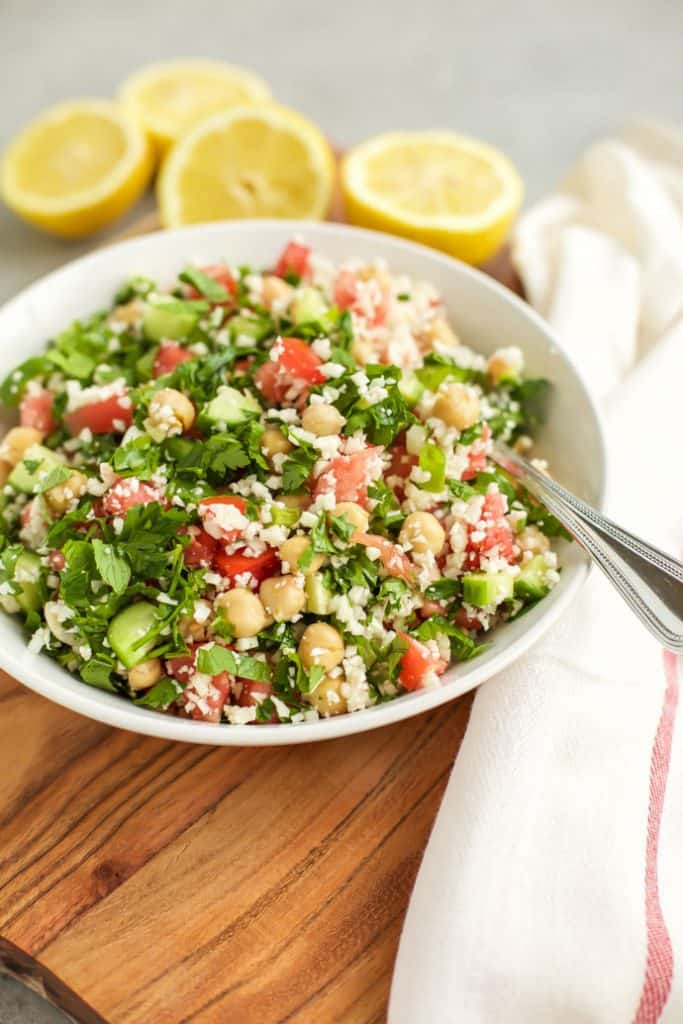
{"points": [[308, 306], [410, 387], [249, 327], [27, 575], [318, 596], [127, 629], [36, 463], [531, 583], [230, 406], [487, 588], [166, 317]]}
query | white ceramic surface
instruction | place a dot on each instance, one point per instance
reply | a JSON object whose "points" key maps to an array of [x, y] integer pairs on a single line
{"points": [[486, 316]]}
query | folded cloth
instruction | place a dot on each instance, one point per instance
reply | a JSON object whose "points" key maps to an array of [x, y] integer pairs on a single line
{"points": [[551, 889]]}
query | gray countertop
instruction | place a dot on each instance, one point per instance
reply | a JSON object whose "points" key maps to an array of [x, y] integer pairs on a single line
{"points": [[539, 78]]}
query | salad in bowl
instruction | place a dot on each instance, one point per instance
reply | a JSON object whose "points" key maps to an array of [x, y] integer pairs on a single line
{"points": [[256, 495]]}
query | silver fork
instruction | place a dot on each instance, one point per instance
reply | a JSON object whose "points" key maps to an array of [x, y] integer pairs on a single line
{"points": [[650, 581]]}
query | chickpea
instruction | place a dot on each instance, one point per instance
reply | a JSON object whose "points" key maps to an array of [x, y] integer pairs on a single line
{"points": [[293, 549], [243, 610], [438, 330], [299, 501], [321, 644], [190, 625], [422, 532], [327, 697], [64, 496], [505, 364], [322, 419], [356, 515], [170, 413], [5, 470], [127, 314], [283, 597], [458, 406], [16, 442], [533, 540], [144, 675], [276, 292], [363, 352], [273, 442]]}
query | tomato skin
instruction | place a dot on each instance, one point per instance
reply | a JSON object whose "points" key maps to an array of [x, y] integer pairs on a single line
{"points": [[402, 461], [182, 667], [260, 566], [219, 273], [465, 621], [497, 532], [57, 560], [348, 476], [125, 494], [417, 661], [169, 355], [99, 417], [201, 550], [296, 366], [476, 459], [208, 517], [36, 411], [392, 558], [346, 297], [294, 259]]}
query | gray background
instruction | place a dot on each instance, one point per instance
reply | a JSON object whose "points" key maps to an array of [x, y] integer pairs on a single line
{"points": [[540, 78]]}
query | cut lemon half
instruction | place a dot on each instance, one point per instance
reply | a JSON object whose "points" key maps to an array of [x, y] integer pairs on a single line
{"points": [[262, 161], [441, 189], [170, 98], [76, 168]]}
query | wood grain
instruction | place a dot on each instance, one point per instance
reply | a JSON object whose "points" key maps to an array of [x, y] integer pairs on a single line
{"points": [[146, 882]]}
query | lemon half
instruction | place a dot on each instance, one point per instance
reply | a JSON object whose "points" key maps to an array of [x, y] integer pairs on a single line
{"points": [[170, 98], [438, 188], [264, 161], [76, 168]]}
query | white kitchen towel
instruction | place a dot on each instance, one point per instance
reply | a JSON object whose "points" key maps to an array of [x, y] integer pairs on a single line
{"points": [[551, 890]]}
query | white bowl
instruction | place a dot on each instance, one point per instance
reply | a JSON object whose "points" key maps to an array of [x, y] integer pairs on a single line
{"points": [[486, 316]]}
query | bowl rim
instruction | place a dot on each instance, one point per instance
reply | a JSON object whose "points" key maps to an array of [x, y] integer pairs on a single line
{"points": [[87, 700]]}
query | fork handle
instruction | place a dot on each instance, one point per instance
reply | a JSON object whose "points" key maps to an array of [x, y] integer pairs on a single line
{"points": [[649, 580]]}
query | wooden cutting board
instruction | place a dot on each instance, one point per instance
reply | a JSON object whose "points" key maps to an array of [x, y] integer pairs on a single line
{"points": [[146, 882]]}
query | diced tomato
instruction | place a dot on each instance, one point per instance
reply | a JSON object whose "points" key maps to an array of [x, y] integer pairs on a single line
{"points": [[401, 460], [169, 355], [476, 458], [201, 550], [465, 621], [294, 260], [111, 415], [222, 276], [36, 411], [430, 608], [26, 513], [348, 476], [259, 566], [214, 700], [210, 517], [56, 560], [126, 493], [182, 667], [296, 366], [416, 662], [253, 692], [374, 302], [497, 533], [392, 558]]}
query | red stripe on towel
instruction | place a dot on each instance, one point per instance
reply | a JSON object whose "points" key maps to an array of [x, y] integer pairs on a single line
{"points": [[659, 966]]}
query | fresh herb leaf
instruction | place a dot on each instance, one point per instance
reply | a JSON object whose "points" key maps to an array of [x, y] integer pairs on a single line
{"points": [[463, 647], [57, 475], [297, 468], [161, 696], [205, 285], [216, 659], [112, 567]]}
